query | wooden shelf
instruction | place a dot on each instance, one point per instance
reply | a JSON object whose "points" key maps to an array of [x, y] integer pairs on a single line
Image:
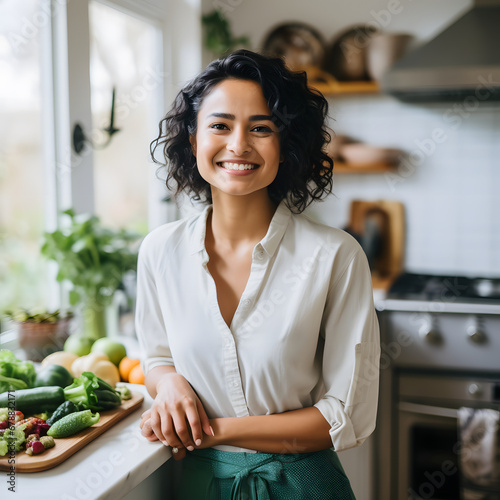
{"points": [[346, 88], [371, 168], [328, 85]]}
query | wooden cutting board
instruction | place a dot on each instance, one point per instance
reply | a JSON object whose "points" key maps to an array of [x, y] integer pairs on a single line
{"points": [[390, 217], [66, 447]]}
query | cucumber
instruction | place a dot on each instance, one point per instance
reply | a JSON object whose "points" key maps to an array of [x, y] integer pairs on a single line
{"points": [[72, 424], [37, 400]]}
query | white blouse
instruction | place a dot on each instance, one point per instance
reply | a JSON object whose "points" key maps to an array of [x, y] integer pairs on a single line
{"points": [[304, 333]]}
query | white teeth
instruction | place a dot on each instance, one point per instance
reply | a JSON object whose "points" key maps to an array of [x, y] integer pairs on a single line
{"points": [[237, 166]]}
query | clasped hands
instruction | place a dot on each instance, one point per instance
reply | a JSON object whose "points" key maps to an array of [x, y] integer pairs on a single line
{"points": [[177, 417]]}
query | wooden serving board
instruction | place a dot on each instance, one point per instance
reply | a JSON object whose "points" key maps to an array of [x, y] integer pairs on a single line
{"points": [[65, 447]]}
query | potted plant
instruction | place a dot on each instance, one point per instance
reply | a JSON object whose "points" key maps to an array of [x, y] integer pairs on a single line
{"points": [[218, 37], [94, 259], [41, 333]]}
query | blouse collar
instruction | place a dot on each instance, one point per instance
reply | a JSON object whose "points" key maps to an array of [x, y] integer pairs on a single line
{"points": [[269, 243]]}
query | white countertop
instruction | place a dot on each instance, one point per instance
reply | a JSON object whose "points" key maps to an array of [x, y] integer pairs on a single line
{"points": [[436, 306], [107, 468]]}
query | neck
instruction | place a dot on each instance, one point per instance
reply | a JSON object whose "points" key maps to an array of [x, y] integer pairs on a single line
{"points": [[238, 221]]}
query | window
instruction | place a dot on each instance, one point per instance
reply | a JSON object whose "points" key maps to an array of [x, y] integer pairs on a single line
{"points": [[23, 275], [122, 56], [44, 91]]}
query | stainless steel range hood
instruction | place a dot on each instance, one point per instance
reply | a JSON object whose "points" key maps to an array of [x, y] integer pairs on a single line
{"points": [[462, 61]]}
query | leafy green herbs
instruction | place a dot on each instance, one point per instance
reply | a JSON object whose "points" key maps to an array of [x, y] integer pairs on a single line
{"points": [[218, 36], [93, 258]]}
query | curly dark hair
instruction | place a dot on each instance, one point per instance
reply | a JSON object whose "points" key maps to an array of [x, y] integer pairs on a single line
{"points": [[299, 113]]}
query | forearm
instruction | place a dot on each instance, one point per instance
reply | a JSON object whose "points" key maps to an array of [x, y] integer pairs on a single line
{"points": [[297, 431], [154, 376]]}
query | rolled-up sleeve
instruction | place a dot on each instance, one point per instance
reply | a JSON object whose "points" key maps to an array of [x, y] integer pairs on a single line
{"points": [[149, 324], [351, 356]]}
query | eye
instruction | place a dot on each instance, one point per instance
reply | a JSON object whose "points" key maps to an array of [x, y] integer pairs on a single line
{"points": [[262, 128], [218, 126]]}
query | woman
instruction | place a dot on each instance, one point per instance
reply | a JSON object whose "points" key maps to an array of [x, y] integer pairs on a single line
{"points": [[260, 338]]}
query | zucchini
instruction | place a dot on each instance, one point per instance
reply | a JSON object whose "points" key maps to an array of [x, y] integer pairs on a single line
{"points": [[37, 400]]}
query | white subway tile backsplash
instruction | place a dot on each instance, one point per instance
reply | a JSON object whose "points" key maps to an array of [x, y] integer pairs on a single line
{"points": [[451, 188]]}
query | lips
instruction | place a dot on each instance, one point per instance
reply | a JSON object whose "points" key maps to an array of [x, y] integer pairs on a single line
{"points": [[237, 166]]}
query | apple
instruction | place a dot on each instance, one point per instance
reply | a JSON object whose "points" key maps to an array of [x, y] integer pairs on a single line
{"points": [[78, 344], [111, 348]]}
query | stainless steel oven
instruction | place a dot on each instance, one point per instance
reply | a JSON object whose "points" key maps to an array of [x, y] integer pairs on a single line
{"points": [[438, 355], [427, 431]]}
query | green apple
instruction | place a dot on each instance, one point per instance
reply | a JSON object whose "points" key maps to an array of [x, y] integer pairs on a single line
{"points": [[78, 344], [111, 348]]}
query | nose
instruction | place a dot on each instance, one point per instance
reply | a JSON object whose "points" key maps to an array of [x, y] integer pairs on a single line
{"points": [[239, 142]]}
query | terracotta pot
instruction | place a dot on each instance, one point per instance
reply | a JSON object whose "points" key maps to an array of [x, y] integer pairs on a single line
{"points": [[38, 340], [383, 50]]}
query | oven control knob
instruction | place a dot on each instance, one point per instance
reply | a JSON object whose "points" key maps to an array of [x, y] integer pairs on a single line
{"points": [[476, 336], [474, 390], [431, 336]]}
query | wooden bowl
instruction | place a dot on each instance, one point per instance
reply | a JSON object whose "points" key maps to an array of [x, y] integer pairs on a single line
{"points": [[299, 44], [346, 57], [334, 147], [364, 154]]}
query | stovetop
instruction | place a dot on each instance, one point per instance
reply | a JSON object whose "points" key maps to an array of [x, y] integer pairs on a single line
{"points": [[458, 289]]}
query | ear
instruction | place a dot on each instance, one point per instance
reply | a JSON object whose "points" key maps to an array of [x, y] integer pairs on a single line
{"points": [[192, 141], [282, 158]]}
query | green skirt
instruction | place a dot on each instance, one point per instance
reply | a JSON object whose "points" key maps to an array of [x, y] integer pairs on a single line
{"points": [[223, 475]]}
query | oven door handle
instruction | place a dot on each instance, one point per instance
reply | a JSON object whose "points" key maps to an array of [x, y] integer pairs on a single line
{"points": [[435, 411]]}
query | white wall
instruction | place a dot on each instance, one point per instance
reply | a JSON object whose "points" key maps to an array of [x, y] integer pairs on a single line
{"points": [[450, 189], [451, 193]]}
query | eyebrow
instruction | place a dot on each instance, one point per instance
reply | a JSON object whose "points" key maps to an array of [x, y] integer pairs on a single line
{"points": [[253, 118]]}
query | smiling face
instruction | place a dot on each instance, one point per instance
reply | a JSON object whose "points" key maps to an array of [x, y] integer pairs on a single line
{"points": [[236, 145]]}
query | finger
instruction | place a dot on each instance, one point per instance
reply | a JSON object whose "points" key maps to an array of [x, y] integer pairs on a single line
{"points": [[147, 431], [195, 425], [181, 453], [181, 428], [169, 431], [159, 422], [205, 422], [144, 418], [146, 413]]}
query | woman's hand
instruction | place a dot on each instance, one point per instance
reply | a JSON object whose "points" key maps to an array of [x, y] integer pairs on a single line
{"points": [[177, 417], [147, 432]]}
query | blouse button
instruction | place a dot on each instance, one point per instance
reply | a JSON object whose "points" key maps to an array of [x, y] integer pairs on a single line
{"points": [[260, 255], [247, 302]]}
